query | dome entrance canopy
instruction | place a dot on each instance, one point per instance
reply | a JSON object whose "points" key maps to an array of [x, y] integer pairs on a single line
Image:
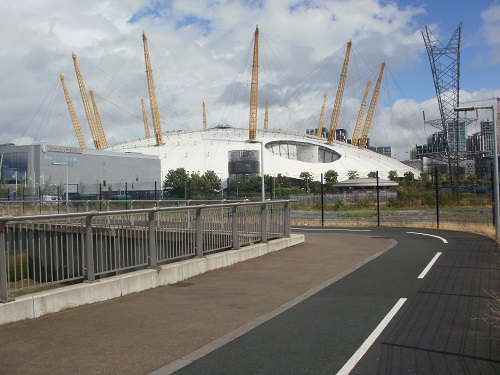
{"points": [[302, 151]]}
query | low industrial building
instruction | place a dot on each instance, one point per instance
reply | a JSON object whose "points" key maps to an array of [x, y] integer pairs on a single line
{"points": [[32, 169]]}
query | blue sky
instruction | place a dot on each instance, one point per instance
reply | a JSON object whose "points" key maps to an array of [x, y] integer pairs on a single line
{"points": [[478, 63], [200, 53]]}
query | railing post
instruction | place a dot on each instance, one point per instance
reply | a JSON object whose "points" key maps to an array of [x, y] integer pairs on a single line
{"points": [[89, 250], [198, 234], [234, 227], [153, 259], [4, 291], [286, 220], [263, 222]]}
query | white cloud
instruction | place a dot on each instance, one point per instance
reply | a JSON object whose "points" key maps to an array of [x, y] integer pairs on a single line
{"points": [[201, 52]]}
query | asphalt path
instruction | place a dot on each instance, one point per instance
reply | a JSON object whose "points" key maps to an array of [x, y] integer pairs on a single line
{"points": [[436, 287], [347, 300]]}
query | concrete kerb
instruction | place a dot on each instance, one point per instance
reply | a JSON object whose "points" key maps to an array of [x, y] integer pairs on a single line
{"points": [[46, 302]]}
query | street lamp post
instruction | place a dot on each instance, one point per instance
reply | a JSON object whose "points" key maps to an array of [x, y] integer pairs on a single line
{"points": [[66, 164], [495, 163]]}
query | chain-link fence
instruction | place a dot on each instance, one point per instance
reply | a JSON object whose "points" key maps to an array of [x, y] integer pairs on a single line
{"points": [[407, 205]]}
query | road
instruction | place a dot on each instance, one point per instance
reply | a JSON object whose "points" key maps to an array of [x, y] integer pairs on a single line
{"points": [[437, 330], [347, 300]]}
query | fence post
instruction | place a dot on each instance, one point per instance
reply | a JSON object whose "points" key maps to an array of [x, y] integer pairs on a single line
{"points": [[89, 250], [153, 259], [198, 234], [437, 195], [286, 219], [234, 227], [263, 222], [4, 291]]}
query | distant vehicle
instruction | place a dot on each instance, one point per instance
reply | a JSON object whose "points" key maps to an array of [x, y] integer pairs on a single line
{"points": [[50, 198]]}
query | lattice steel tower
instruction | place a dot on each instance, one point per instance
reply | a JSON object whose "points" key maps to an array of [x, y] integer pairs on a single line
{"points": [[445, 67]]}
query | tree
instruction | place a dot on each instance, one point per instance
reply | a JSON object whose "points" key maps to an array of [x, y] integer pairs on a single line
{"points": [[175, 181], [331, 176], [393, 176], [424, 177], [372, 174], [409, 177], [471, 180], [254, 184], [352, 175], [282, 181], [212, 181], [306, 178], [203, 186]]}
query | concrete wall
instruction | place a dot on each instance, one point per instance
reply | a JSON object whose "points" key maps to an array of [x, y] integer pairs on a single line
{"points": [[47, 302]]}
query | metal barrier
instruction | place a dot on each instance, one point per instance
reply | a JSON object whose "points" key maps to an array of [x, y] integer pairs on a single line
{"points": [[40, 250]]}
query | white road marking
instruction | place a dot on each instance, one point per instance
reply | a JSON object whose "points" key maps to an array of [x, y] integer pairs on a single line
{"points": [[351, 363], [431, 263], [430, 235], [332, 229]]}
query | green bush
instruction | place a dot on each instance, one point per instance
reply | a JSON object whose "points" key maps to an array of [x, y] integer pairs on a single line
{"points": [[339, 205]]}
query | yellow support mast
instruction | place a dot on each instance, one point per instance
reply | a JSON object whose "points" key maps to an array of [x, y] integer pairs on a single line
{"points": [[204, 117], [338, 98], [266, 117], [254, 89], [86, 105], [100, 130], [155, 112], [322, 117], [371, 109], [359, 122], [145, 119], [74, 119]]}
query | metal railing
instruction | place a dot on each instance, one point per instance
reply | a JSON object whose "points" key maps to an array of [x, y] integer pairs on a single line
{"points": [[36, 207], [39, 250]]}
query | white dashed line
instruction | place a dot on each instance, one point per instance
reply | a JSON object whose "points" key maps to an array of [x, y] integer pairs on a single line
{"points": [[351, 363], [430, 235], [431, 263]]}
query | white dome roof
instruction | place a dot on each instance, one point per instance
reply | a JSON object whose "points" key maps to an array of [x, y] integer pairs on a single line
{"points": [[200, 151]]}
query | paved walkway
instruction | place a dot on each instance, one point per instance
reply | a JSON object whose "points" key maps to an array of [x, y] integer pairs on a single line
{"points": [[140, 333], [440, 328]]}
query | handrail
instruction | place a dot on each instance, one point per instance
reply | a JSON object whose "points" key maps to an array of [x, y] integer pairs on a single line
{"points": [[57, 248]]}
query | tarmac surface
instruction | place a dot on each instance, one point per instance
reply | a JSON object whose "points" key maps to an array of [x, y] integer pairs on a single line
{"points": [[304, 309]]}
